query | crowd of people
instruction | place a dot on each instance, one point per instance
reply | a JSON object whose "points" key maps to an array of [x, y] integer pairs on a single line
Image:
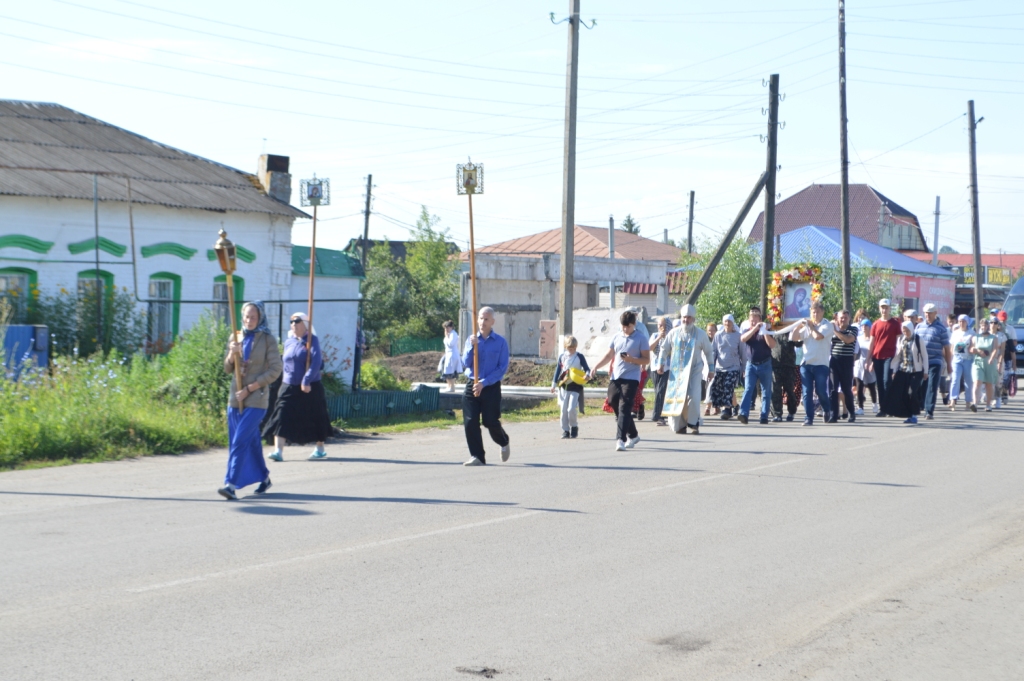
{"points": [[830, 366]]}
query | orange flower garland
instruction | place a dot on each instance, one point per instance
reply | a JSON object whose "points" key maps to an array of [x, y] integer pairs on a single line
{"points": [[794, 275]]}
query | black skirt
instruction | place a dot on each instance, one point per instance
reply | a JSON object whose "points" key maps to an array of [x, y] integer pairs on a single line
{"points": [[300, 418], [903, 397]]}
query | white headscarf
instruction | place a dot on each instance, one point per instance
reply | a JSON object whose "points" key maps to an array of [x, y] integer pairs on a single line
{"points": [[305, 318]]}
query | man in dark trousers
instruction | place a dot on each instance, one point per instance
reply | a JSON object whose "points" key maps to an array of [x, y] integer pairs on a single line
{"points": [[785, 377], [482, 399]]}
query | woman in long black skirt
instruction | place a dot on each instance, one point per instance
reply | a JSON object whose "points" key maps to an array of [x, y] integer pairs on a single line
{"points": [[903, 397], [300, 412]]}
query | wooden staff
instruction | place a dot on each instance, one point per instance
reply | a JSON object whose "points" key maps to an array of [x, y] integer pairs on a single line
{"points": [[230, 282], [472, 287], [312, 276]]}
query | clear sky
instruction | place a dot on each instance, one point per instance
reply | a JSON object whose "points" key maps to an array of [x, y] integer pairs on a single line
{"points": [[671, 99]]}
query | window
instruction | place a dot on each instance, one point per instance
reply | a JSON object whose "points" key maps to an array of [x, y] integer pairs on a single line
{"points": [[220, 292], [14, 287], [160, 332]]}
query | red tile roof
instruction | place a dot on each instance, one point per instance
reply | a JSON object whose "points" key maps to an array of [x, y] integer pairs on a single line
{"points": [[588, 241], [818, 205], [1012, 260]]}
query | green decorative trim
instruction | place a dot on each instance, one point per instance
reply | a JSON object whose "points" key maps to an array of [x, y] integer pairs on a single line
{"points": [[239, 285], [168, 248], [29, 243], [111, 247], [241, 252], [175, 294]]}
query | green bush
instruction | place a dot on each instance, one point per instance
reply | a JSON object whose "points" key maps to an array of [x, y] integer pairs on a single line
{"points": [[376, 376], [71, 319], [195, 366]]}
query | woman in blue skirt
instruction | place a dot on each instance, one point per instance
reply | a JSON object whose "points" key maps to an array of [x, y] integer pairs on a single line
{"points": [[261, 365]]}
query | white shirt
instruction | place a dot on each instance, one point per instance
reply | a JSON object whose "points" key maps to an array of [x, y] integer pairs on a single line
{"points": [[817, 352], [959, 337]]}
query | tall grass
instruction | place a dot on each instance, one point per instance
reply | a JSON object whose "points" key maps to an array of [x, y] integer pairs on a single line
{"points": [[91, 408]]}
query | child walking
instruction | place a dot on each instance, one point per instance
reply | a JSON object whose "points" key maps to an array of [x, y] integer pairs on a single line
{"points": [[570, 393]]}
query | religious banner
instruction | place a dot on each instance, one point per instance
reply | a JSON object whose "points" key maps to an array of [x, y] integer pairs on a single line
{"points": [[791, 293]]}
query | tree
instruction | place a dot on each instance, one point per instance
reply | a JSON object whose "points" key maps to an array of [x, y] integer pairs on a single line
{"points": [[948, 249], [414, 296], [630, 226]]}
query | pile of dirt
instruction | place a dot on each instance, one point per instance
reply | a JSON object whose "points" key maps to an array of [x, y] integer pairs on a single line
{"points": [[421, 367]]}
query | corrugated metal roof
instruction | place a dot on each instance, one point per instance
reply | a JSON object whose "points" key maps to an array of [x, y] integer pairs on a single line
{"points": [[819, 205], [825, 243], [42, 139], [330, 263], [1012, 260], [588, 241]]}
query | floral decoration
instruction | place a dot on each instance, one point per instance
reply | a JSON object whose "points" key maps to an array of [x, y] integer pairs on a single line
{"points": [[792, 275]]}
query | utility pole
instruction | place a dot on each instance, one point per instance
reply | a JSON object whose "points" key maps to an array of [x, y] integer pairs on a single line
{"points": [[689, 227], [565, 282], [935, 244], [611, 255], [665, 238], [844, 165], [96, 249], [979, 293], [366, 219], [768, 238]]}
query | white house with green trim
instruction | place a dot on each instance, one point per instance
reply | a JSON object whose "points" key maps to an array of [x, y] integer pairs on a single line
{"points": [[65, 176]]}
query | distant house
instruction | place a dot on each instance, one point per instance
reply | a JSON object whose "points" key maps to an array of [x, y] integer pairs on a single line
{"points": [[916, 283], [55, 162], [873, 217]]}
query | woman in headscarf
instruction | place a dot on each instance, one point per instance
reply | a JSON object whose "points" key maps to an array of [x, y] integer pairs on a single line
{"points": [[300, 412], [261, 365], [960, 339], [450, 365], [903, 398], [985, 349], [864, 370], [727, 366]]}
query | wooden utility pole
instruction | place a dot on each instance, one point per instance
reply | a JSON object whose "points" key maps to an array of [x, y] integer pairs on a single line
{"points": [[565, 281], [312, 278], [935, 243], [366, 219], [979, 292], [768, 238], [689, 227], [611, 256], [844, 165]]}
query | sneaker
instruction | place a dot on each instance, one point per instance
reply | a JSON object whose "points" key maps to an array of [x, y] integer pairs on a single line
{"points": [[317, 454], [278, 455], [929, 417], [228, 493], [742, 419], [264, 486], [620, 446], [506, 452], [912, 420], [874, 408], [574, 432], [726, 414], [763, 420], [776, 419], [631, 442], [473, 461], [808, 422], [973, 407], [565, 435], [662, 422], [859, 411], [988, 408], [852, 419], [790, 417], [880, 414], [952, 405]]}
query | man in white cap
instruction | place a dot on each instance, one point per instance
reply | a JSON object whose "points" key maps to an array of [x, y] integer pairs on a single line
{"points": [[940, 353], [884, 334], [686, 349]]}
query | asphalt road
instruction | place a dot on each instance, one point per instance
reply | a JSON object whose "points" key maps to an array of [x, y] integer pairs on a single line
{"points": [[864, 551]]}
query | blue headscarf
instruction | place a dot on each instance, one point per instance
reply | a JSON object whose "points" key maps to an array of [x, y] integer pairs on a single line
{"points": [[262, 325]]}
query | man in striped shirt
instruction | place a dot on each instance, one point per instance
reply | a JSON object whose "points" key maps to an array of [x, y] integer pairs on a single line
{"points": [[936, 337], [844, 344]]}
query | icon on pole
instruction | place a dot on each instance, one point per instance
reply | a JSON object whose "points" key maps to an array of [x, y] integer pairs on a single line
{"points": [[469, 178], [315, 192]]}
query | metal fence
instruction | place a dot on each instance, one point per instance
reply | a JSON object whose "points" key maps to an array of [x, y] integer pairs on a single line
{"points": [[383, 402], [404, 346]]}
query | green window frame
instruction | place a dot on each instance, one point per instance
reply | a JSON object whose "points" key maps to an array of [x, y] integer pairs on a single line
{"points": [[25, 301], [174, 300], [220, 309]]}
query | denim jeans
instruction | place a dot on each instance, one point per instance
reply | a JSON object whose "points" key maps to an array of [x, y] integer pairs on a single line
{"points": [[757, 373], [931, 389], [815, 378], [961, 370]]}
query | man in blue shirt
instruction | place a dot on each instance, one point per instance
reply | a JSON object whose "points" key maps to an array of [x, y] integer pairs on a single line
{"points": [[482, 398], [936, 338], [629, 350]]}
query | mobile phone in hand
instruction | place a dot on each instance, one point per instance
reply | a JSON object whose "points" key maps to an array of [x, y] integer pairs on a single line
{"points": [[622, 354]]}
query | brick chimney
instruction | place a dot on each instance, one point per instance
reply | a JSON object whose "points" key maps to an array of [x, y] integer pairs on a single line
{"points": [[273, 175]]}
